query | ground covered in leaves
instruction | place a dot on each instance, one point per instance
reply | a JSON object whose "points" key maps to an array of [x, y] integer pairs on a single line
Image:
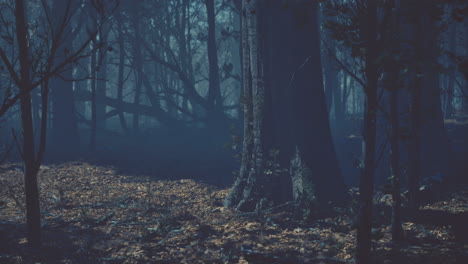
{"points": [[93, 215]]}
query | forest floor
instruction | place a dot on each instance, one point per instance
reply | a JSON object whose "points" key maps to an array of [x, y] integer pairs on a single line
{"points": [[93, 215]]}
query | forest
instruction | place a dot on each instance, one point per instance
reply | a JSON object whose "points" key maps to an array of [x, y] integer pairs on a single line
{"points": [[234, 131]]}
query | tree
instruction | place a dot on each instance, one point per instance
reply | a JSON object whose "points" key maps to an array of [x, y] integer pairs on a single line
{"points": [[366, 182], [35, 70], [429, 143], [214, 91], [284, 152], [392, 68], [64, 134]]}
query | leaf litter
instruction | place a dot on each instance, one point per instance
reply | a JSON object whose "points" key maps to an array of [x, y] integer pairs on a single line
{"points": [[91, 214]]}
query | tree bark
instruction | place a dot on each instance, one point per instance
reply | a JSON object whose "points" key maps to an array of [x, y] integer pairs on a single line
{"points": [[234, 196], [255, 194], [33, 215], [138, 64], [282, 94], [452, 47], [121, 71], [101, 81], [394, 87], [314, 145], [366, 184], [92, 143], [215, 101]]}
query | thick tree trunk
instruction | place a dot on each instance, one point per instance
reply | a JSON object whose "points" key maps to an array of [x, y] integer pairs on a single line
{"points": [[283, 96], [429, 144], [314, 145]]}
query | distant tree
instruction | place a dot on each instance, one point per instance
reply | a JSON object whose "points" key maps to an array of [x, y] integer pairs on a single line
{"points": [[64, 132], [215, 101]]}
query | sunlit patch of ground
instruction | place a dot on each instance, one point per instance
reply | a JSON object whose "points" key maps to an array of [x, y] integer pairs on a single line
{"points": [[93, 215]]}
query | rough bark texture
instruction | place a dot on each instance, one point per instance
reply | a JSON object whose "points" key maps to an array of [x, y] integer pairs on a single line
{"points": [[235, 194], [255, 191], [286, 127]]}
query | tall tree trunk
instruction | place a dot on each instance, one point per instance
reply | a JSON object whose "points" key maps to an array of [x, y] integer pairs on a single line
{"points": [[138, 64], [33, 215], [282, 96], [36, 103], [120, 87], [394, 87], [366, 184], [397, 230], [255, 194], [64, 134], [101, 82], [452, 47], [93, 99], [234, 196], [215, 102], [429, 139], [314, 145]]}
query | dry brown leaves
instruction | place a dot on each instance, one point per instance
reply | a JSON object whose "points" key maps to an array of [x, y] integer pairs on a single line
{"points": [[93, 215]]}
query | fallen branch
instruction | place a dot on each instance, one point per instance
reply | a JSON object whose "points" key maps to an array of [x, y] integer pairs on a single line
{"points": [[268, 210]]}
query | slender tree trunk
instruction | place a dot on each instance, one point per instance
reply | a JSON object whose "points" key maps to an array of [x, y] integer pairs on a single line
{"points": [[397, 230], [64, 134], [101, 83], [138, 64], [255, 190], [394, 87], [366, 184], [452, 47], [33, 215], [235, 195], [36, 102], [121, 40], [214, 91], [93, 100]]}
